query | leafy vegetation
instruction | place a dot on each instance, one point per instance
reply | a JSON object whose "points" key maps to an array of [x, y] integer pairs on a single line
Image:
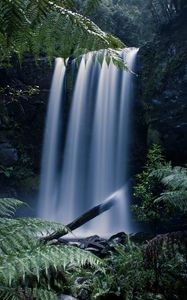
{"points": [[27, 265], [43, 27], [130, 20], [148, 189], [175, 181], [148, 271], [164, 11], [160, 188], [31, 269]]}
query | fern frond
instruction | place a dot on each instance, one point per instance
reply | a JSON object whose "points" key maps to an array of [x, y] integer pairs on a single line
{"points": [[41, 294], [174, 177], [175, 181], [177, 199], [109, 55], [17, 293], [24, 233], [43, 258], [8, 293], [8, 206], [37, 11], [12, 16], [44, 27]]}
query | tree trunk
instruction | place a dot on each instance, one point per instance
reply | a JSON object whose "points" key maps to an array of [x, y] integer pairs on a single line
{"points": [[87, 216]]}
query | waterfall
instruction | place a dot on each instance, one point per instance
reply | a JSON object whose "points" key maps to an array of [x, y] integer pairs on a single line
{"points": [[93, 163], [48, 180]]}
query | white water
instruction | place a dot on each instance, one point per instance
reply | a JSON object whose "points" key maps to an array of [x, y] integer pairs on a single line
{"points": [[96, 147], [48, 180]]}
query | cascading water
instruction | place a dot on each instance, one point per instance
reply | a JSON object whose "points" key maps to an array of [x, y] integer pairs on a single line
{"points": [[49, 178], [94, 163]]}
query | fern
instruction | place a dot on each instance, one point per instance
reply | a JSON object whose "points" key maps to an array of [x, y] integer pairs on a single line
{"points": [[8, 206], [44, 27], [32, 263], [11, 12], [175, 181], [177, 199], [20, 294], [25, 233], [26, 263], [43, 294]]}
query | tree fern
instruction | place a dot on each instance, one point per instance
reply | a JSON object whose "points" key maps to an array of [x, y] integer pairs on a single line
{"points": [[175, 181], [14, 268], [26, 263], [174, 177], [177, 199], [8, 206], [44, 27], [25, 233]]}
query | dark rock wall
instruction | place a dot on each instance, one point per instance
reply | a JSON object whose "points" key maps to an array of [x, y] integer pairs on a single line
{"points": [[23, 102], [163, 79]]}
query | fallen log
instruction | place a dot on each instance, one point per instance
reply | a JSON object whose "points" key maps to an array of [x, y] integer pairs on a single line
{"points": [[83, 219]]}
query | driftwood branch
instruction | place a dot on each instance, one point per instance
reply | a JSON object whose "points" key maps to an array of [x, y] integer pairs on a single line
{"points": [[87, 216]]}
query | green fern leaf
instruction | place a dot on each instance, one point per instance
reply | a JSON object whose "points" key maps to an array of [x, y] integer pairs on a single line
{"points": [[32, 263], [8, 206]]}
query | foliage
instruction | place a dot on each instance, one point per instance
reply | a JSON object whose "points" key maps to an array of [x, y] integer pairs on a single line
{"points": [[148, 189], [161, 189], [124, 275], [175, 181], [164, 11], [166, 254], [28, 267], [6, 171], [130, 20], [8, 206], [130, 275], [42, 27], [14, 93]]}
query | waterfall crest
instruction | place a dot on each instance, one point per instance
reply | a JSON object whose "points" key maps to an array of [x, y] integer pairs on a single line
{"points": [[94, 160]]}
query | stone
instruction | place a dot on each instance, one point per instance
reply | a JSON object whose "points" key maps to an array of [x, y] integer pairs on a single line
{"points": [[83, 294], [66, 297], [119, 238], [79, 280]]}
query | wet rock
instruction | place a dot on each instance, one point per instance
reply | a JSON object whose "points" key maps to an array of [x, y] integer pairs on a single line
{"points": [[119, 238], [93, 250], [66, 297], [97, 245], [79, 280], [83, 294], [76, 244]]}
